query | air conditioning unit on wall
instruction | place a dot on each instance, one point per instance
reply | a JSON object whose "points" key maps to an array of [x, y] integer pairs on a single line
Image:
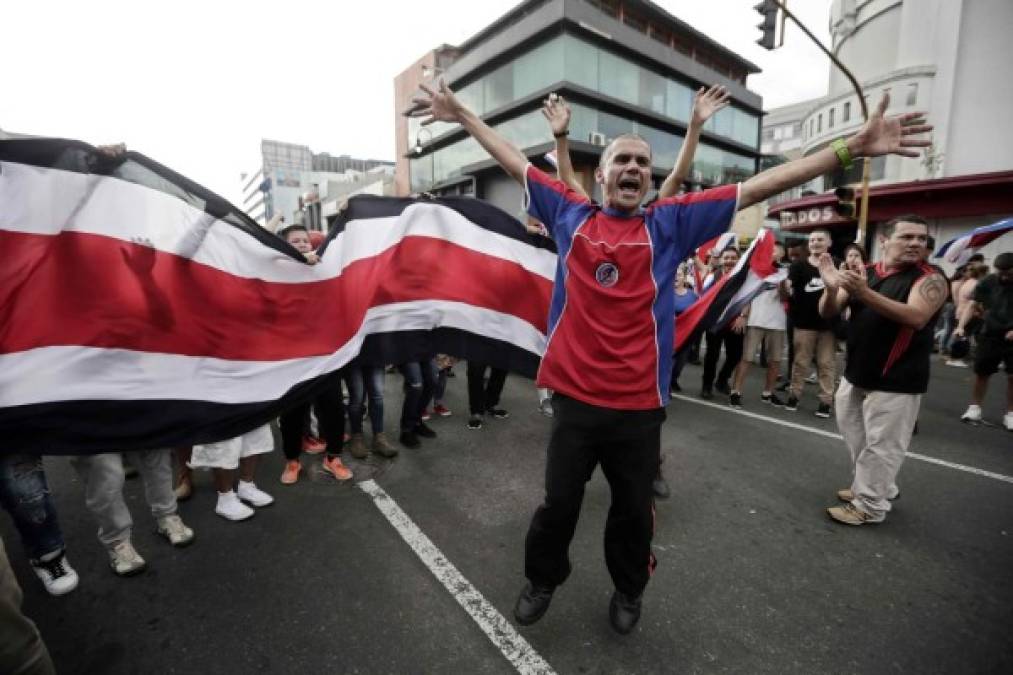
{"points": [[596, 138]]}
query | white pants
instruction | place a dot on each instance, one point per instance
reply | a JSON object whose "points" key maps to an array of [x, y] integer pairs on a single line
{"points": [[877, 428], [226, 454], [103, 476]]}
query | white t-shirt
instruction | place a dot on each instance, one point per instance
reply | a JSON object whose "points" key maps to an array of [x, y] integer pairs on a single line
{"points": [[766, 311]]}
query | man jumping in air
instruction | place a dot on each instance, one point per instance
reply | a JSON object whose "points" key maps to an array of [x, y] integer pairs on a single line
{"points": [[610, 330]]}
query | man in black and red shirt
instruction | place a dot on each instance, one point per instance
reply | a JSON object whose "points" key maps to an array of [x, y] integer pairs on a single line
{"points": [[890, 335]]}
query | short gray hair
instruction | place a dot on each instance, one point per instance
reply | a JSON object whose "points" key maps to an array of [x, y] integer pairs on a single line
{"points": [[607, 153]]}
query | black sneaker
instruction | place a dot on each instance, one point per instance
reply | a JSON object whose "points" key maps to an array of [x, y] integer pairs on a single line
{"points": [[498, 413], [624, 612], [424, 430], [735, 400], [792, 403], [409, 439], [823, 411], [532, 603], [722, 388], [706, 394], [772, 399], [475, 422]]}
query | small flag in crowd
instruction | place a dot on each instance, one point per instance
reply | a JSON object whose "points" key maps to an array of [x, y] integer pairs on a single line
{"points": [[727, 296], [959, 250]]}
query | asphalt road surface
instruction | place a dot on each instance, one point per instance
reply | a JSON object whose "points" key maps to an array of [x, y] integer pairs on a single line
{"points": [[414, 566]]}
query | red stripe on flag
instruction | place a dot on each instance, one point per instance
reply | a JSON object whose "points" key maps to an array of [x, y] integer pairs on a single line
{"points": [[89, 290]]}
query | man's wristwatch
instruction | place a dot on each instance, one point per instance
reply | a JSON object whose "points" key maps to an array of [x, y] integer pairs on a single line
{"points": [[562, 134]]}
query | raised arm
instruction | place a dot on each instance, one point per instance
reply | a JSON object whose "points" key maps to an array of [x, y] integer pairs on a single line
{"points": [[557, 113], [443, 106], [705, 104], [879, 136]]}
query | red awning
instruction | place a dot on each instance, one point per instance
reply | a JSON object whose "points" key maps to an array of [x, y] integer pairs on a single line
{"points": [[969, 195]]}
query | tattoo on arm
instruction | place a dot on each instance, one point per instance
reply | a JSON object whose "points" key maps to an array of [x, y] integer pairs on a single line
{"points": [[933, 290]]}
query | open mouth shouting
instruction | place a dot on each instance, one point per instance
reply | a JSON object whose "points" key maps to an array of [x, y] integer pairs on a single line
{"points": [[629, 187]]}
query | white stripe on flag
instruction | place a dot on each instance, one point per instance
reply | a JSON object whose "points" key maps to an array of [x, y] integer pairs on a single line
{"points": [[82, 373], [48, 201]]}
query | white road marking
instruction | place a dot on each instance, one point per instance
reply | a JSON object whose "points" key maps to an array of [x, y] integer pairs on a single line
{"points": [[514, 647], [829, 434]]}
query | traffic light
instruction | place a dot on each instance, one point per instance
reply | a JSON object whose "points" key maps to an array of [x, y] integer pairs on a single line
{"points": [[845, 206], [768, 9]]}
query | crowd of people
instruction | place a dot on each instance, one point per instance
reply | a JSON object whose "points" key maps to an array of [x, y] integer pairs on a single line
{"points": [[607, 311]]}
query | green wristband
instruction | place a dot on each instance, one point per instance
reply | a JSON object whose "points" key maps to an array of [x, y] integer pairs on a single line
{"points": [[843, 154]]}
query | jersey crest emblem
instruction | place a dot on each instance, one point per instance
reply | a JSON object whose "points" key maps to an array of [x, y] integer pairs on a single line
{"points": [[607, 274]]}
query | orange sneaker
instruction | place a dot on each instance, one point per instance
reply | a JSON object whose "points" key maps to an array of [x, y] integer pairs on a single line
{"points": [[313, 445], [335, 467], [291, 472]]}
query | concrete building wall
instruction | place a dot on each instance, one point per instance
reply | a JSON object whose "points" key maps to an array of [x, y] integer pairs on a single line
{"points": [[406, 84], [940, 57], [865, 38], [982, 95]]}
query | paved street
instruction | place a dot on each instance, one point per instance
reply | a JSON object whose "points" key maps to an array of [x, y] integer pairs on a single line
{"points": [[752, 577]]}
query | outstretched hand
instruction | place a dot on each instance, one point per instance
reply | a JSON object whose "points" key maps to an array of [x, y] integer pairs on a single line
{"points": [[707, 103], [557, 112], [891, 135], [439, 105]]}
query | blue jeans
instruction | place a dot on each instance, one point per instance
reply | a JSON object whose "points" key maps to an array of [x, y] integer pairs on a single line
{"points": [[419, 383], [360, 380], [24, 493]]}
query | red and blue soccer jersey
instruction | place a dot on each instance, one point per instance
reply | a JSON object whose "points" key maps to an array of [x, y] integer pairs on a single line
{"points": [[612, 314]]}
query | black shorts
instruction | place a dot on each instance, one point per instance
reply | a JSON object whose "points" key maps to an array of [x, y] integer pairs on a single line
{"points": [[991, 351]]}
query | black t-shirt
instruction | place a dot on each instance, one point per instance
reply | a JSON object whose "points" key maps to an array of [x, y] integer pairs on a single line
{"points": [[997, 299], [882, 354], [806, 291]]}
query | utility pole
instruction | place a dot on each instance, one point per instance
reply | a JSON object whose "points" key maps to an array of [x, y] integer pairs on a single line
{"points": [[768, 8]]}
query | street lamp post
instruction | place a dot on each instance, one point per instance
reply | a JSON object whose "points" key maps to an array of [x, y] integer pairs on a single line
{"points": [[419, 148], [863, 209]]}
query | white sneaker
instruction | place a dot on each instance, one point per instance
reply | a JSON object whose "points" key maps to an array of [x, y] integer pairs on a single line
{"points": [[230, 508], [125, 560], [1007, 421], [956, 363], [812, 379], [252, 495], [55, 573], [973, 414], [173, 529]]}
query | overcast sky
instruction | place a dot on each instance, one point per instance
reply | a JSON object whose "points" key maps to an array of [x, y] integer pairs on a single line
{"points": [[196, 85]]}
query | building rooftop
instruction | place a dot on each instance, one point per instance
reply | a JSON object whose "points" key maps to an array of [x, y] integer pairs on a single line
{"points": [[642, 15]]}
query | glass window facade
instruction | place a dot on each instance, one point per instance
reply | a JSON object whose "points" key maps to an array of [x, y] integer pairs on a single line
{"points": [[711, 165], [569, 58]]}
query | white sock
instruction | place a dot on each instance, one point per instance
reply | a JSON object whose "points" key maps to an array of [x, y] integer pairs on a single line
{"points": [[247, 484]]}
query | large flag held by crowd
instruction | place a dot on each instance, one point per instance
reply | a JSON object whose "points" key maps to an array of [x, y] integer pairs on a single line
{"points": [[960, 249], [140, 310]]}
